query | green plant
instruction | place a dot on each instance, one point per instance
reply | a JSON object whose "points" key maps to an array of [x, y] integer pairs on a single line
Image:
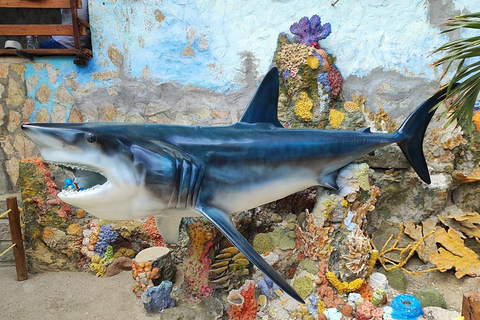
{"points": [[464, 95]]}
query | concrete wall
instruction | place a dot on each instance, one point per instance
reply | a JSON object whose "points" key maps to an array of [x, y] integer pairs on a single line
{"points": [[199, 62]]}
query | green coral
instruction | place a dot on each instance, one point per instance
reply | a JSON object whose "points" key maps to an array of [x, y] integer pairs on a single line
{"points": [[303, 286], [430, 297], [281, 239], [309, 265], [262, 243]]}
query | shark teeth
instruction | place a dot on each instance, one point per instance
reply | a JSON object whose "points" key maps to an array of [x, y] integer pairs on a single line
{"points": [[74, 187]]}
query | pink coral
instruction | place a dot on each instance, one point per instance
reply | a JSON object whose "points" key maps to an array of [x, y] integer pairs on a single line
{"points": [[367, 311], [249, 308], [152, 231]]}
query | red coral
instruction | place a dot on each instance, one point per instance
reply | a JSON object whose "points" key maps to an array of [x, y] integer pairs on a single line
{"points": [[248, 310], [336, 81], [152, 231]]}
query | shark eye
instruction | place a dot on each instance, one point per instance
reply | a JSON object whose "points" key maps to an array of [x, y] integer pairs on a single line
{"points": [[91, 137]]}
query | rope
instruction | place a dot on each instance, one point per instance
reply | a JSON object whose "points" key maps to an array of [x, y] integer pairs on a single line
{"points": [[5, 213], [8, 249]]}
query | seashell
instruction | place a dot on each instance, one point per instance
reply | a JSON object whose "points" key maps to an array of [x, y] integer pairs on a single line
{"points": [[239, 256], [235, 298], [222, 263], [231, 250], [223, 256], [219, 270]]}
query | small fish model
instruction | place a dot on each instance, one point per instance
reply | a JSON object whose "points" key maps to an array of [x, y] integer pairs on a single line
{"points": [[133, 170]]}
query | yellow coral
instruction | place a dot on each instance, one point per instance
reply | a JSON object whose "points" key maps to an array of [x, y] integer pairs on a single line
{"points": [[294, 55], [335, 118], [313, 62], [320, 307], [74, 229], [344, 287], [371, 262], [304, 106], [355, 105]]}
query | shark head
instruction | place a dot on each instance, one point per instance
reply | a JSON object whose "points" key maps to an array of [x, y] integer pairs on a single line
{"points": [[111, 169]]}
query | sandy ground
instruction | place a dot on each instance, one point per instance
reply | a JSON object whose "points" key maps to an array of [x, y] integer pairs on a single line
{"points": [[69, 295], [78, 295]]}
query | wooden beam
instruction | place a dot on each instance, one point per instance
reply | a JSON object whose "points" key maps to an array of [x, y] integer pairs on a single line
{"points": [[16, 233], [471, 305], [36, 30], [52, 4], [40, 52]]}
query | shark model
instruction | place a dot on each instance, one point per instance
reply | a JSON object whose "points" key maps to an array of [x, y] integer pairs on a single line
{"points": [[131, 170]]}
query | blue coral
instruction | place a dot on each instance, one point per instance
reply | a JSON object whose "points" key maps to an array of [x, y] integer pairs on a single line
{"points": [[406, 307], [267, 287], [106, 236], [312, 306], [323, 78], [311, 30], [157, 298]]}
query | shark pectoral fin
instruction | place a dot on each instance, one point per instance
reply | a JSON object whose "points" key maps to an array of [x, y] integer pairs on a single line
{"points": [[168, 227], [330, 180], [222, 221]]}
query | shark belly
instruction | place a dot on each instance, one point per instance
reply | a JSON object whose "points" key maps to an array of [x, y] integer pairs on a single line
{"points": [[255, 189]]}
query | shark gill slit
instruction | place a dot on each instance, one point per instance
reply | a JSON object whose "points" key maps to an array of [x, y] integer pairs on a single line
{"points": [[188, 180]]}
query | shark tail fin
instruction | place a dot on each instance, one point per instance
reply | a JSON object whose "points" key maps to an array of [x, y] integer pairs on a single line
{"points": [[412, 132]]}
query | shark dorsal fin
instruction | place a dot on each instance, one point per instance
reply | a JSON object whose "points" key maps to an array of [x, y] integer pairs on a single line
{"points": [[263, 107]]}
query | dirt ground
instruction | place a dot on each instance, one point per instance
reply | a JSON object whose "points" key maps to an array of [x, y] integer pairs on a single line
{"points": [[69, 296], [78, 295]]}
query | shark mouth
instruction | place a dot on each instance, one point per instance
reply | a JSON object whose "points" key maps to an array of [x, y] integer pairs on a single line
{"points": [[85, 179]]}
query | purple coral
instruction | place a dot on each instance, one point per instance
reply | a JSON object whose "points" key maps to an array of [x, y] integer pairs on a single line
{"points": [[310, 31], [106, 236]]}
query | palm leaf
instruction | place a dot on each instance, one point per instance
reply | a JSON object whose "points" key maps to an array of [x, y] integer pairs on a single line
{"points": [[464, 95]]}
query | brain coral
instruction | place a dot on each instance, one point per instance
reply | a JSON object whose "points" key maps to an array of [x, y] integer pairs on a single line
{"points": [[263, 243]]}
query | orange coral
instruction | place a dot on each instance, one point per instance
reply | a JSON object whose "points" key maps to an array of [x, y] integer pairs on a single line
{"points": [[200, 233], [249, 308], [152, 231], [366, 291], [476, 120], [47, 233]]}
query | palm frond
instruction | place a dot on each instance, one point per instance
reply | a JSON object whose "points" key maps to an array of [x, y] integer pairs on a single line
{"points": [[464, 95]]}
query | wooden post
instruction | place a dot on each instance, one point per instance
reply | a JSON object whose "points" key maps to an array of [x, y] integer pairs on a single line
{"points": [[16, 233], [471, 305]]}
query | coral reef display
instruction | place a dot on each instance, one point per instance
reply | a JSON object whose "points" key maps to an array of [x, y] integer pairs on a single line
{"points": [[329, 244]]}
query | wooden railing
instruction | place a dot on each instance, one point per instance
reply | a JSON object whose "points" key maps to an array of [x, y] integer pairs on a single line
{"points": [[76, 29]]}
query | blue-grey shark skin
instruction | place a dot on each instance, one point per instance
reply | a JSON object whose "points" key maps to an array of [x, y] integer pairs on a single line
{"points": [[171, 171]]}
